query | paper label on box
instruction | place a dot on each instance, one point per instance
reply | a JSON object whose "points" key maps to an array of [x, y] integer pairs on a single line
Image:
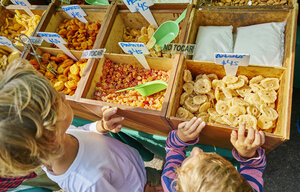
{"points": [[65, 1], [95, 53], [34, 40], [176, 48], [231, 61], [134, 48], [23, 3], [52, 37], [6, 42], [138, 5], [76, 12]]}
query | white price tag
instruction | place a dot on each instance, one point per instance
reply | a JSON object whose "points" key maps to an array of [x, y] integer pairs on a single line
{"points": [[75, 11], [142, 6], [24, 4], [232, 61], [6, 42], [34, 40], [138, 50], [95, 53], [58, 41]]}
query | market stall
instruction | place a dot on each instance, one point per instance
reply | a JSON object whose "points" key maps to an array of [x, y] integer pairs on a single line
{"points": [[259, 94]]}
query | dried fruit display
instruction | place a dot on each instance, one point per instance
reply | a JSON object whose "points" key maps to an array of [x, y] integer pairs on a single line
{"points": [[144, 36], [248, 2], [68, 74], [230, 100], [120, 76], [78, 35], [16, 24], [6, 58]]}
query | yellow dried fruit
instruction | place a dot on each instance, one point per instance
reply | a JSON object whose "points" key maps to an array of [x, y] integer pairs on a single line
{"points": [[270, 83], [202, 86], [249, 120]]}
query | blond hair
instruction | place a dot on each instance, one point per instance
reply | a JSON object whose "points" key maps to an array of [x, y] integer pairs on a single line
{"points": [[209, 172], [28, 113]]}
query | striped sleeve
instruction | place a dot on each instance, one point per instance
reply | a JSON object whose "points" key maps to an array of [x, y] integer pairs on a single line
{"points": [[175, 154], [252, 169]]}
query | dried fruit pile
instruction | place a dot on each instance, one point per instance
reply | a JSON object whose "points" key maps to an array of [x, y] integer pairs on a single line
{"points": [[120, 76], [69, 71], [249, 2], [231, 100], [78, 35]]}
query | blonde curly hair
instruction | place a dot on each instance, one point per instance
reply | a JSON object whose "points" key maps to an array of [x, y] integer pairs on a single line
{"points": [[209, 172], [28, 113]]}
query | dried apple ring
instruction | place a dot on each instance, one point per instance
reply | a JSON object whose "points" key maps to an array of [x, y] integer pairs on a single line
{"points": [[253, 110], [222, 107], [256, 79], [199, 99], [202, 86], [238, 84], [187, 76], [188, 87], [244, 91], [204, 107], [237, 110], [268, 112], [270, 83], [256, 87], [265, 123], [183, 113], [183, 97], [227, 92], [230, 79], [212, 112], [237, 101], [245, 78], [268, 95], [217, 83], [230, 120], [253, 99], [250, 120], [190, 105]]}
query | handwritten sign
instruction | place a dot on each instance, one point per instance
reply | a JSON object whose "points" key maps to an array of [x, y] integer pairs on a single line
{"points": [[176, 48], [231, 61], [34, 40], [142, 6], [95, 53], [6, 42], [76, 12], [25, 5], [57, 40], [138, 50]]}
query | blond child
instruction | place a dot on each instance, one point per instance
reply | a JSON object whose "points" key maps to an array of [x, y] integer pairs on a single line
{"points": [[209, 172], [36, 130]]}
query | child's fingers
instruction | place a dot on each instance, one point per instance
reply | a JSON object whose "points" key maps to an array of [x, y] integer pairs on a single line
{"points": [[262, 137], [190, 123], [200, 127], [257, 139], [195, 133], [111, 122], [250, 136], [181, 125], [233, 137], [117, 128], [241, 132], [194, 126], [108, 113]]}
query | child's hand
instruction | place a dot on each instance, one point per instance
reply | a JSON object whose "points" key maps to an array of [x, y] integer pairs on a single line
{"points": [[247, 146], [108, 123], [190, 130]]}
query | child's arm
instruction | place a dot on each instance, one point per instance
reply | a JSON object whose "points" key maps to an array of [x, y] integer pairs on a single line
{"points": [[187, 134], [251, 156]]}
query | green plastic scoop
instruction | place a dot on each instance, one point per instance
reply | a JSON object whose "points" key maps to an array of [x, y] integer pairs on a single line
{"points": [[97, 2], [167, 32], [148, 88]]}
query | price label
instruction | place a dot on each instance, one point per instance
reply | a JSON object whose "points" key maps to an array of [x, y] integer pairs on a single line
{"points": [[24, 4], [176, 48], [95, 53], [138, 50], [142, 6], [231, 61], [34, 40], [76, 12], [57, 40], [6, 42]]}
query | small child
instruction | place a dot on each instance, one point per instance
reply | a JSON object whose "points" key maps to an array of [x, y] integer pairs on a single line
{"points": [[36, 130], [209, 172]]}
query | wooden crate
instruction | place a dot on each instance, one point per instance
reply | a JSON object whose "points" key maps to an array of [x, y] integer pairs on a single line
{"points": [[94, 13], [149, 121], [205, 4], [120, 17], [219, 135]]}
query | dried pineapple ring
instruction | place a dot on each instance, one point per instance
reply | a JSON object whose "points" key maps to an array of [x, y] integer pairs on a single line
{"points": [[268, 95], [183, 113], [230, 120], [217, 83], [236, 110], [268, 112], [199, 99], [204, 107], [202, 86], [230, 79], [183, 97], [253, 110], [188, 87], [190, 105], [245, 78], [218, 119], [253, 99], [265, 123], [222, 107], [256, 79], [187, 76], [240, 83], [227, 92], [212, 112], [271, 83], [244, 91], [237, 101], [212, 76], [256, 87], [250, 120]]}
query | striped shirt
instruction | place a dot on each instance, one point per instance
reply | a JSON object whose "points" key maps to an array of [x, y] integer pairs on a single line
{"points": [[251, 169]]}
